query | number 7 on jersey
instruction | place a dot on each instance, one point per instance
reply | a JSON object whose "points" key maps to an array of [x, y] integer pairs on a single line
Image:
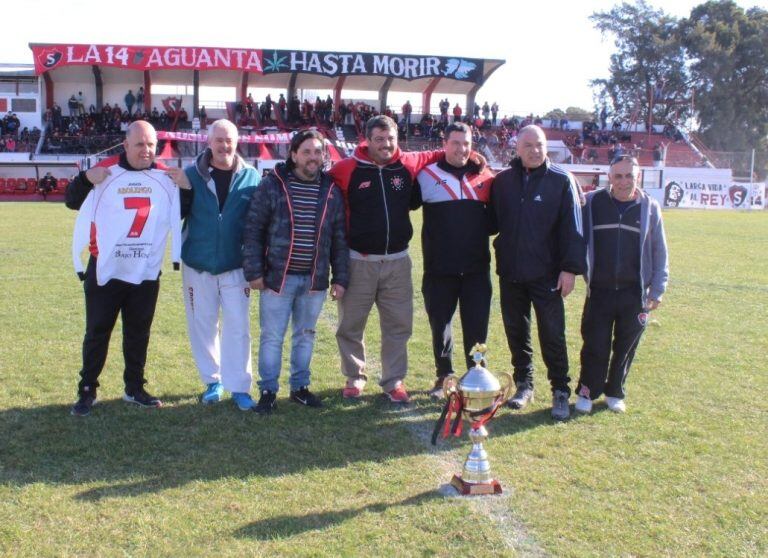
{"points": [[142, 207]]}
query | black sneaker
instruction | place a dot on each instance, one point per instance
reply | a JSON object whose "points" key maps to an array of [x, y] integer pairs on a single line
{"points": [[141, 398], [437, 392], [84, 403], [305, 397], [266, 402]]}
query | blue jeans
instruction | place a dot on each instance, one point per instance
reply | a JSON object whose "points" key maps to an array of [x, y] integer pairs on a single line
{"points": [[303, 307]]}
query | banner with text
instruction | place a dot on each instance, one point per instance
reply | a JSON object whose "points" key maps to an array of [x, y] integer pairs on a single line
{"points": [[403, 66], [714, 195], [202, 138], [261, 61], [48, 57]]}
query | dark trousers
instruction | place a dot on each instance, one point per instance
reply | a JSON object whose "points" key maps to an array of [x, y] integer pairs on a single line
{"points": [[516, 301], [472, 292], [611, 326], [136, 304]]}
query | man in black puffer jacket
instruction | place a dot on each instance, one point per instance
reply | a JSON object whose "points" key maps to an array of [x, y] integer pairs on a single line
{"points": [[295, 233], [539, 251]]}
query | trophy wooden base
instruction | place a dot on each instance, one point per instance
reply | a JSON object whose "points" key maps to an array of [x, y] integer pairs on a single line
{"points": [[475, 489]]}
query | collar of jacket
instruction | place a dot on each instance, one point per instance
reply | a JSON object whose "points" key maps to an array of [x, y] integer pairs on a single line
{"points": [[281, 171], [517, 163], [469, 168], [361, 155], [123, 163], [203, 163]]}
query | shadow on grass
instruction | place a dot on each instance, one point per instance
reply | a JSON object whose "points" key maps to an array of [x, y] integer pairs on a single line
{"points": [[134, 451], [283, 526]]}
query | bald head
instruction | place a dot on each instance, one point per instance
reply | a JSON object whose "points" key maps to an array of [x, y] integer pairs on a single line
{"points": [[140, 144], [222, 139], [532, 146]]}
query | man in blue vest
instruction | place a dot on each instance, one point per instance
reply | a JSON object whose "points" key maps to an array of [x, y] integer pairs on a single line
{"points": [[215, 194]]}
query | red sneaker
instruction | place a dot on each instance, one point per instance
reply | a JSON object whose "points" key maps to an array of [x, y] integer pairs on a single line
{"points": [[399, 394], [353, 390]]}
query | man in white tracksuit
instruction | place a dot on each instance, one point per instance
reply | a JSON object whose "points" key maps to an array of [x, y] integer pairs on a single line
{"points": [[215, 195]]}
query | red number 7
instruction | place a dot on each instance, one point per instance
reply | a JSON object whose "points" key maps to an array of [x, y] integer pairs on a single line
{"points": [[142, 207]]}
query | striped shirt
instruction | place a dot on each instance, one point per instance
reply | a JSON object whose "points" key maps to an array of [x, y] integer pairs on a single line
{"points": [[304, 200]]}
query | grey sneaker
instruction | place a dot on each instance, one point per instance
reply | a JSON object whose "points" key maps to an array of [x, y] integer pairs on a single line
{"points": [[522, 397], [560, 408]]}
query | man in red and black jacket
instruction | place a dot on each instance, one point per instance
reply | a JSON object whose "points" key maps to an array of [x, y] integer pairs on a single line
{"points": [[377, 184]]}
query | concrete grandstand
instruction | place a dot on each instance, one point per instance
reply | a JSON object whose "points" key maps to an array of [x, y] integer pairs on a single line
{"points": [[78, 96]]}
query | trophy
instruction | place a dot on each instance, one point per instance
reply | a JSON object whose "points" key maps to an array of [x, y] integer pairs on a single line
{"points": [[476, 396]]}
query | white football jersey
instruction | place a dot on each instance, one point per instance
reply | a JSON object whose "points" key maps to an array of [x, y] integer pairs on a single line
{"points": [[125, 222]]}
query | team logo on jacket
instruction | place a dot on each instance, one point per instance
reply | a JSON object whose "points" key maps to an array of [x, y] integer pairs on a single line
{"points": [[397, 183], [642, 317], [364, 185], [247, 292]]}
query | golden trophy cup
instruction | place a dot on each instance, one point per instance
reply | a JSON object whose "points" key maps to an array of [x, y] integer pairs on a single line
{"points": [[476, 396]]}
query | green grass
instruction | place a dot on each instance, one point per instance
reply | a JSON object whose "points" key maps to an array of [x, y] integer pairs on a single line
{"points": [[683, 473]]}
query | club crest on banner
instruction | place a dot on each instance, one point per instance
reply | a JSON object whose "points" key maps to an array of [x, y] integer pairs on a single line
{"points": [[738, 195], [49, 58]]}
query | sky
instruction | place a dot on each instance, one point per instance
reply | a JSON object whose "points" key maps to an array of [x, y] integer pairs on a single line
{"points": [[551, 48]]}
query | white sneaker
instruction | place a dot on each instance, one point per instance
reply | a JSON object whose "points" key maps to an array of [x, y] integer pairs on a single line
{"points": [[616, 404], [583, 405]]}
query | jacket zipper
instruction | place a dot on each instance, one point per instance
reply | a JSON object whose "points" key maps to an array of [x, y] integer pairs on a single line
{"points": [[386, 209], [317, 239], [618, 252], [290, 213]]}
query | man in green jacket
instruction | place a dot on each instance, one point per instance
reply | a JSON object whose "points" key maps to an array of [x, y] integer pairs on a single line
{"points": [[215, 194]]}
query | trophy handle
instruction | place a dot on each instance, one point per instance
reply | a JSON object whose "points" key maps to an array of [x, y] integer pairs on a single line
{"points": [[450, 384], [506, 390]]}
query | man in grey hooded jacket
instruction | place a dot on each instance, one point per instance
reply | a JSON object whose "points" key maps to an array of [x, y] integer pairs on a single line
{"points": [[626, 277]]}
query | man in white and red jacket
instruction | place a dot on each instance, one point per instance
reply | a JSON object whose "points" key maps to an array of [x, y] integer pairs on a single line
{"points": [[454, 193], [126, 212]]}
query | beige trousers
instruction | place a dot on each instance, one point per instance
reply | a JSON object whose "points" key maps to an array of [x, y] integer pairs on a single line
{"points": [[387, 284]]}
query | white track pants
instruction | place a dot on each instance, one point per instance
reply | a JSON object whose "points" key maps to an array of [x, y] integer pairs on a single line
{"points": [[220, 357]]}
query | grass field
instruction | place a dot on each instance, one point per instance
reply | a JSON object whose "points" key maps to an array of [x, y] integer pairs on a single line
{"points": [[683, 473]]}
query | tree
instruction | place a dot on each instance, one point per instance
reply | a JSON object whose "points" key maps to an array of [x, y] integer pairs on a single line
{"points": [[578, 114], [556, 114], [648, 70], [574, 114], [728, 49]]}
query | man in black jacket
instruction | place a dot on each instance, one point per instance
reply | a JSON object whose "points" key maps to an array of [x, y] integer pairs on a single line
{"points": [[539, 251], [295, 234]]}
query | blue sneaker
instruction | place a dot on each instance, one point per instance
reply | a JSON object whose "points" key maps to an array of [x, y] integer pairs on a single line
{"points": [[213, 394], [243, 401]]}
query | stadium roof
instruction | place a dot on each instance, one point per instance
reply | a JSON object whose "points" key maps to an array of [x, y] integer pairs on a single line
{"points": [[270, 68], [17, 70]]}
